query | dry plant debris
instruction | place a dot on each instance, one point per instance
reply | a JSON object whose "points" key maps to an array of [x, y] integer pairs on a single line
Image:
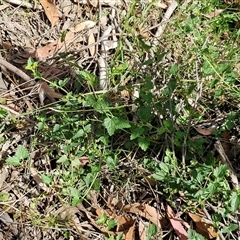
{"points": [[44, 42]]}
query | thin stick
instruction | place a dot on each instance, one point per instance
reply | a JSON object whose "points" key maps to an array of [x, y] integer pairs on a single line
{"points": [[17, 71], [218, 146], [166, 17]]}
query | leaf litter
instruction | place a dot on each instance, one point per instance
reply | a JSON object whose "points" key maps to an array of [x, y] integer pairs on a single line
{"points": [[22, 183]]}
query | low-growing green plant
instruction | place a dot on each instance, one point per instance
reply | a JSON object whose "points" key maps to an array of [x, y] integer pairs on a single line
{"points": [[151, 231], [109, 224], [20, 155], [172, 87]]}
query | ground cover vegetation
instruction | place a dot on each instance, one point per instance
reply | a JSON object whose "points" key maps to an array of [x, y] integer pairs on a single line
{"points": [[119, 120]]}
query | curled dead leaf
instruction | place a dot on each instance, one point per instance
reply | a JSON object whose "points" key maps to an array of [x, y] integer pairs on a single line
{"points": [[6, 45], [83, 26], [202, 227], [50, 11], [91, 40], [84, 160], [146, 211], [48, 51], [213, 14], [176, 224], [94, 3], [205, 131]]}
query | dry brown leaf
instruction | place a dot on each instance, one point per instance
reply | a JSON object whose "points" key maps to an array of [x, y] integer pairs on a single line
{"points": [[226, 141], [7, 45], [94, 3], [130, 233], [83, 26], [176, 224], [50, 11], [205, 131], [48, 51], [99, 212], [84, 160], [50, 92], [202, 227], [147, 212], [142, 230], [51, 72], [159, 4], [124, 223], [2, 7], [52, 48], [3, 175], [91, 40], [150, 180], [58, 45], [213, 14]]}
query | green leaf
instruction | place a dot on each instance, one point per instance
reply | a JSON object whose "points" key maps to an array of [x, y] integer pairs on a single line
{"points": [[37, 74], [56, 127], [112, 124], [174, 69], [102, 219], [89, 100], [143, 143], [219, 92], [112, 162], [30, 62], [22, 152], [119, 236], [4, 197], [75, 162], [88, 128], [144, 45], [229, 229], [220, 172], [74, 192], [121, 123], [208, 69], [14, 161], [193, 235], [63, 159], [168, 123], [110, 238], [47, 179], [160, 176], [136, 133], [120, 68], [164, 167], [144, 113], [80, 133], [161, 130], [96, 185], [111, 224], [213, 188], [151, 230], [76, 201], [109, 124], [234, 201], [63, 35], [148, 62]]}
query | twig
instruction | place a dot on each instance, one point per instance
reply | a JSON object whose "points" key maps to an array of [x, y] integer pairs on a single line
{"points": [[17, 71], [23, 4], [103, 38], [225, 160], [16, 113], [102, 63], [172, 6]]}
